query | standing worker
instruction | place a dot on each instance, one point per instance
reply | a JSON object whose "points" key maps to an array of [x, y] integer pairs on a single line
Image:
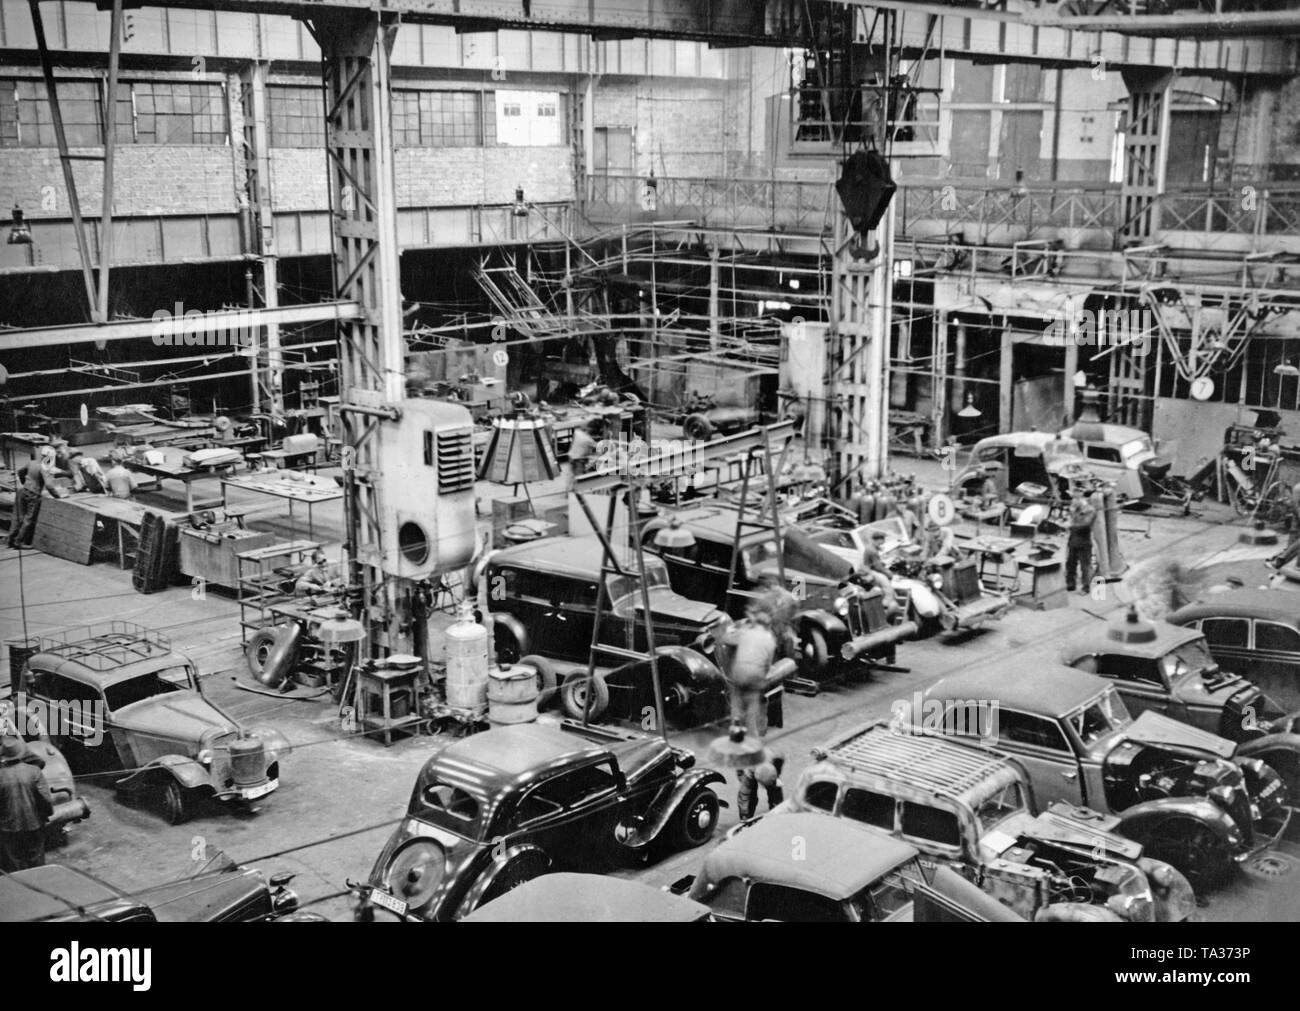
{"points": [[38, 480], [753, 645], [1079, 553], [586, 441], [25, 807]]}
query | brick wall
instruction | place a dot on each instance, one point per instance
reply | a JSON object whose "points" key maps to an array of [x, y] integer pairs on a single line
{"points": [[680, 126]]}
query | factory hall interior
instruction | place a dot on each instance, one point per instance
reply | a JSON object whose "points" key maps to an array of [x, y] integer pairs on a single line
{"points": [[650, 460]]}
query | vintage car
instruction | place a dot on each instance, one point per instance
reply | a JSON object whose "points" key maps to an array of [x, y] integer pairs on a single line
{"points": [[543, 597], [1026, 466], [221, 892], [1185, 794], [1169, 669], [494, 810], [133, 703], [566, 897], [974, 811], [22, 720], [797, 867], [840, 629], [1255, 633]]}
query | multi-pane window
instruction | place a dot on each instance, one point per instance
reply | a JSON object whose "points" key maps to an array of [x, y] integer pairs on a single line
{"points": [[25, 119], [146, 112], [441, 119], [297, 116], [169, 112]]}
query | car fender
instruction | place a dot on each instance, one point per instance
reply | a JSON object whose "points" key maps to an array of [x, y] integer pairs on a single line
{"points": [[489, 874], [1141, 820], [702, 671], [1286, 747], [657, 818], [515, 627], [925, 601], [830, 625], [189, 773], [276, 745]]}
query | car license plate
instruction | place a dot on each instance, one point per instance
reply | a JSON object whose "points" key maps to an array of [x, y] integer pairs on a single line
{"points": [[388, 902], [1271, 789], [260, 791]]}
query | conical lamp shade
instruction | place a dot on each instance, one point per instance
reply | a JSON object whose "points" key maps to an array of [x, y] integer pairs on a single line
{"points": [[519, 451]]}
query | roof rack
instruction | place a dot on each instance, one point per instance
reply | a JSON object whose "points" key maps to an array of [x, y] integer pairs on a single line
{"points": [[941, 765], [106, 645]]}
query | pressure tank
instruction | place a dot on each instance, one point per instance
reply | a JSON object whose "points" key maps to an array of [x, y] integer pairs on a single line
{"points": [[467, 664]]}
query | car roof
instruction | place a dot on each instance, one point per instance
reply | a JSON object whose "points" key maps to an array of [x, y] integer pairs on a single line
{"points": [[588, 898], [565, 556], [106, 678], [509, 753], [929, 762], [1102, 431], [52, 891], [1035, 686], [1009, 439], [717, 521], [1283, 605], [842, 857], [1097, 640]]}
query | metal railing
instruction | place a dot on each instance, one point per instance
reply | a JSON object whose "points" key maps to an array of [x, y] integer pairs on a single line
{"points": [[804, 207]]}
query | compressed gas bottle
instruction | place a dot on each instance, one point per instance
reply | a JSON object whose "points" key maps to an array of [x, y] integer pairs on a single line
{"points": [[467, 664]]}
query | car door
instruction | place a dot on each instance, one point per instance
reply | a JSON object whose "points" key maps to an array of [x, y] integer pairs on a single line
{"points": [[75, 712], [1229, 640], [1046, 753], [1276, 663], [572, 814], [568, 616]]}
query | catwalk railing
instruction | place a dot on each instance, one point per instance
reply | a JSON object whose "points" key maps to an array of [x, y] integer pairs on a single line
{"points": [[803, 207]]}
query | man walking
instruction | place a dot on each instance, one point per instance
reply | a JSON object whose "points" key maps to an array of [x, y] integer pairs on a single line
{"points": [[1079, 551], [25, 807]]}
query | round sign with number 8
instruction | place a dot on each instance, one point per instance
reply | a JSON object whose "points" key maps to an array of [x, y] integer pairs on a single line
{"points": [[941, 509]]}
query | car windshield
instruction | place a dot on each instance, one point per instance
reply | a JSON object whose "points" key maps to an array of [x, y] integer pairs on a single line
{"points": [[1102, 717], [1000, 807], [451, 807], [1135, 448], [146, 686], [890, 896], [622, 587], [1191, 657]]}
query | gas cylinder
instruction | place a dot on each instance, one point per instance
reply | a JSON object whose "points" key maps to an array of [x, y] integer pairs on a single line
{"points": [[467, 663]]}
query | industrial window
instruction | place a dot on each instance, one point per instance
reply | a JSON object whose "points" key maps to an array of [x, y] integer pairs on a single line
{"points": [[511, 109], [171, 112], [25, 119], [441, 119], [1225, 631], [297, 116]]}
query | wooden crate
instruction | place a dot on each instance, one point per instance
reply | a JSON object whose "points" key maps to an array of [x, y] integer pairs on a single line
{"points": [[65, 529]]}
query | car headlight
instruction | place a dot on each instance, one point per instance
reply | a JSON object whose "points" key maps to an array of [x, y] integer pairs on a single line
{"points": [[936, 580], [841, 605], [205, 756]]}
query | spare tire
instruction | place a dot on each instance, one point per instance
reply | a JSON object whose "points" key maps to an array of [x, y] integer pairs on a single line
{"points": [[697, 427], [546, 683], [573, 694]]}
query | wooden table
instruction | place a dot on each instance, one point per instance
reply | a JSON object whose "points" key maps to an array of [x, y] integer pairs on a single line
{"points": [[179, 472], [308, 489]]}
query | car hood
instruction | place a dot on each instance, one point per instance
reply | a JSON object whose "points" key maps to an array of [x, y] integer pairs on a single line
{"points": [[182, 716], [1060, 827], [1215, 690], [1159, 731], [209, 897], [667, 604]]}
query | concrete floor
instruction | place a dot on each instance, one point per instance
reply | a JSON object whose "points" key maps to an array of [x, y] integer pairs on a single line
{"points": [[340, 795]]}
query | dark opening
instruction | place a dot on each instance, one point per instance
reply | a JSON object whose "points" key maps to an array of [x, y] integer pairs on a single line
{"points": [[413, 542]]}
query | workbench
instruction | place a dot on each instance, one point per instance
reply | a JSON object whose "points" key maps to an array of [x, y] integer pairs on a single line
{"points": [[289, 485], [173, 469]]}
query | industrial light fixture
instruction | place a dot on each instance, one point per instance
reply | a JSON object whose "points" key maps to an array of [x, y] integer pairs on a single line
{"points": [[969, 410], [521, 208], [20, 232], [1019, 190], [338, 627], [902, 269], [651, 183], [736, 750], [1285, 369], [674, 537]]}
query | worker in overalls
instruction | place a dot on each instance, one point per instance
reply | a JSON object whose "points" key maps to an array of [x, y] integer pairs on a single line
{"points": [[37, 480], [751, 649]]}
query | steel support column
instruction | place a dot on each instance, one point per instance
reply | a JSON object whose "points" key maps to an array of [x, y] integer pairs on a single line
{"points": [[259, 233], [1146, 148], [355, 53]]}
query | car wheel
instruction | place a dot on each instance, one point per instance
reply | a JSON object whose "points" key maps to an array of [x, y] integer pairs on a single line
{"points": [[545, 678], [573, 694], [176, 802], [678, 696], [814, 654], [1193, 849], [259, 649], [697, 427], [507, 647], [694, 821], [521, 868]]}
